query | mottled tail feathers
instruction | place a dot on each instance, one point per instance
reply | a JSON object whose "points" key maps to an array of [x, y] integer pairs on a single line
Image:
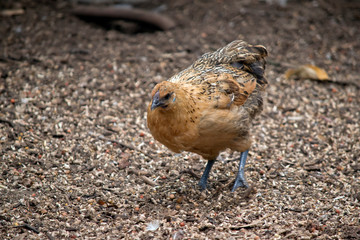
{"points": [[253, 59], [238, 51]]}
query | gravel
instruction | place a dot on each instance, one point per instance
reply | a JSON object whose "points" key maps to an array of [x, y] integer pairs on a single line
{"points": [[77, 160]]}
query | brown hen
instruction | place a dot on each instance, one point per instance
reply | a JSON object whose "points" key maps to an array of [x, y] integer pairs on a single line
{"points": [[208, 107]]}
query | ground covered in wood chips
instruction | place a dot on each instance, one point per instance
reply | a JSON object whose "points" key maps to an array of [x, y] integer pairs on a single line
{"points": [[78, 162]]}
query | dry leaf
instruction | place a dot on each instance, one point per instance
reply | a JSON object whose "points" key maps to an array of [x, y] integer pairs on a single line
{"points": [[307, 71]]}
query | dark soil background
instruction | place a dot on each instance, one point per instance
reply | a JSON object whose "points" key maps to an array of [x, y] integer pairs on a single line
{"points": [[78, 162]]}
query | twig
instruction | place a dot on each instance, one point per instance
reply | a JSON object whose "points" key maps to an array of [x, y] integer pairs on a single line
{"points": [[292, 234], [138, 172], [11, 124], [142, 176], [11, 12], [190, 172], [120, 143], [254, 223], [245, 195], [341, 83], [222, 187], [37, 137], [148, 180], [117, 142], [28, 227], [71, 229], [112, 13]]}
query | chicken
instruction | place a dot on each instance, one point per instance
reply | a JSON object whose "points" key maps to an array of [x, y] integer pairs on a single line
{"points": [[209, 106]]}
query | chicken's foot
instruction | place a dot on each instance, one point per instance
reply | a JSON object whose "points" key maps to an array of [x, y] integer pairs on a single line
{"points": [[240, 180]]}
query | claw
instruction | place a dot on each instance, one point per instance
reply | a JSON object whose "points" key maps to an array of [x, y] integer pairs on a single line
{"points": [[202, 185]]}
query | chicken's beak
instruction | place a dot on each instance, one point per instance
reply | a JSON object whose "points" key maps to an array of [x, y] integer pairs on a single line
{"points": [[156, 101]]}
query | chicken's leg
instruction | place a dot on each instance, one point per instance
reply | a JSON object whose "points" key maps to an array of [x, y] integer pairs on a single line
{"points": [[205, 176], [240, 180]]}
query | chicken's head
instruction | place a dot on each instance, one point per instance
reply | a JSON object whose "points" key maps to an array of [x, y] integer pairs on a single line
{"points": [[163, 96]]}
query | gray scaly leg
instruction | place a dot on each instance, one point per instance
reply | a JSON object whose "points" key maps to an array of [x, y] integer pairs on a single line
{"points": [[240, 180], [205, 176]]}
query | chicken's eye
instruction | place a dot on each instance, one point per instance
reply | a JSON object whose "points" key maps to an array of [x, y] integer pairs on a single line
{"points": [[167, 96]]}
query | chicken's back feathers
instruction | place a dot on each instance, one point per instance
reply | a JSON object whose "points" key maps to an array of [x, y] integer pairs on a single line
{"points": [[212, 102], [237, 57], [234, 71]]}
